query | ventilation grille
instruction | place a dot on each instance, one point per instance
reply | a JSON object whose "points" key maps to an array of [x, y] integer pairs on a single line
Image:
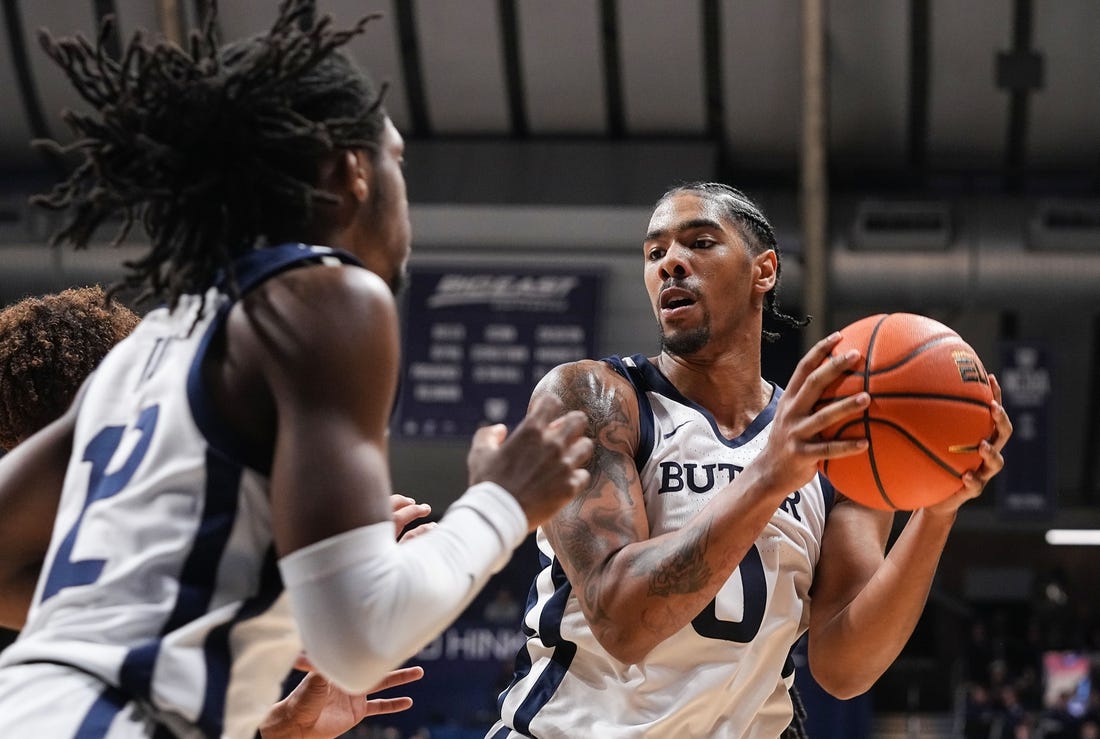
{"points": [[1065, 225], [904, 226]]}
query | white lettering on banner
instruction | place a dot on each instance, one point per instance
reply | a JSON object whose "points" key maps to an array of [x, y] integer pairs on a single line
{"points": [[499, 353], [426, 371], [446, 352], [546, 292], [475, 644], [558, 354], [507, 373], [437, 393], [1026, 384], [448, 332], [559, 334], [501, 333]]}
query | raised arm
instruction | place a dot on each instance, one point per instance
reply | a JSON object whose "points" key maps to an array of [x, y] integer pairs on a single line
{"points": [[635, 589], [865, 604], [326, 342]]}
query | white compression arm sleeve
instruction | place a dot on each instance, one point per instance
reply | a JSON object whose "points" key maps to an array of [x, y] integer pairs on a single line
{"points": [[365, 604]]}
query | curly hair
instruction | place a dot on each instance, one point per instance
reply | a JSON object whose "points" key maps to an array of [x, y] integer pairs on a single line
{"points": [[759, 234], [216, 151], [48, 346]]}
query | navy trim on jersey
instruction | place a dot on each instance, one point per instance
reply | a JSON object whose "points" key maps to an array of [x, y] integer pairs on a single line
{"points": [[646, 433], [562, 657], [210, 422], [259, 265], [828, 492], [252, 269], [532, 597], [523, 657], [197, 578], [656, 381], [788, 663], [217, 651], [97, 721]]}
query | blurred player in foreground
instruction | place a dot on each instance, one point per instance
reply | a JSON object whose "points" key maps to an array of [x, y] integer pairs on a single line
{"points": [[49, 345], [223, 476]]}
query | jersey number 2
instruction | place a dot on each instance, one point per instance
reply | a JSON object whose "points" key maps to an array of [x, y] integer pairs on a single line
{"points": [[65, 571], [754, 587]]}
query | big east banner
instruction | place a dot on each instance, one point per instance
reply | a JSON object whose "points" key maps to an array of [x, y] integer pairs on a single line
{"points": [[478, 339]]}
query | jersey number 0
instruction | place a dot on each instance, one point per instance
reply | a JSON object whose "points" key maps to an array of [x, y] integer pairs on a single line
{"points": [[754, 587]]}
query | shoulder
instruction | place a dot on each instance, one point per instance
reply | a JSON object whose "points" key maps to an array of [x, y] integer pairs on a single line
{"points": [[580, 384], [317, 316], [606, 397], [316, 291]]}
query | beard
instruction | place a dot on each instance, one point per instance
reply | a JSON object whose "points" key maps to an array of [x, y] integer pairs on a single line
{"points": [[685, 342]]}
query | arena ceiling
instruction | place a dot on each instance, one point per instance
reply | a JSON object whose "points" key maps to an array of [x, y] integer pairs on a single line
{"points": [[989, 90], [518, 102]]}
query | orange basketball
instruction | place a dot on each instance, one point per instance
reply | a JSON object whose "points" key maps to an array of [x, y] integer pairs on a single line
{"points": [[929, 411]]}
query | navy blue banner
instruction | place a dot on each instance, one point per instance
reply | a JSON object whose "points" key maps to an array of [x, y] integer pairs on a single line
{"points": [[1026, 485], [477, 339]]}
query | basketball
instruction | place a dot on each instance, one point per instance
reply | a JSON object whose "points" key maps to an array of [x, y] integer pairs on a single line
{"points": [[929, 411]]}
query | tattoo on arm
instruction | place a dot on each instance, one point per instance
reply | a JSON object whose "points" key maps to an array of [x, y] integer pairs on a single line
{"points": [[609, 427], [599, 522], [684, 569]]}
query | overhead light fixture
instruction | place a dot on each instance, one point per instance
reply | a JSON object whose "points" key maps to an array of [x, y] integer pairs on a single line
{"points": [[1073, 537]]}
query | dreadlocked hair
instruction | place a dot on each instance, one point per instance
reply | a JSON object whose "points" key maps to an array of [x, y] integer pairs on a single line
{"points": [[48, 346], [758, 233], [215, 150]]}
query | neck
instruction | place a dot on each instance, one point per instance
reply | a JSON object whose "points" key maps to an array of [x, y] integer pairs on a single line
{"points": [[728, 384]]}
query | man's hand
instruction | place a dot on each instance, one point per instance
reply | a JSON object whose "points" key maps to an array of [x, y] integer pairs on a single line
{"points": [[540, 463], [974, 481], [405, 511], [317, 709], [795, 446]]}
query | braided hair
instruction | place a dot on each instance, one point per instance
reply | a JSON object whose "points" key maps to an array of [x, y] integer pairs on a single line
{"points": [[797, 727], [215, 150], [758, 233]]}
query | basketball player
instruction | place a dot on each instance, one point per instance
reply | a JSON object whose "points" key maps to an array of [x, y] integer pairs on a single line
{"points": [[48, 347], [675, 587], [224, 484]]}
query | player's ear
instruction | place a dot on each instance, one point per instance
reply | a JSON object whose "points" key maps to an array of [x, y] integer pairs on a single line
{"points": [[765, 269], [358, 169], [346, 174]]}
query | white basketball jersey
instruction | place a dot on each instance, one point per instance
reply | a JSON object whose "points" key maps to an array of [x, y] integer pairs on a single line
{"points": [[161, 578], [727, 673]]}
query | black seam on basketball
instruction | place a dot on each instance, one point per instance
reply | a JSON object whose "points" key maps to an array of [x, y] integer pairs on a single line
{"points": [[930, 396], [871, 350], [823, 402], [919, 350], [874, 470], [927, 452], [867, 412]]}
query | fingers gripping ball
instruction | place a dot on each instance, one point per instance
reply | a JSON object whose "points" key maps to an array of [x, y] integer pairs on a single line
{"points": [[929, 411]]}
